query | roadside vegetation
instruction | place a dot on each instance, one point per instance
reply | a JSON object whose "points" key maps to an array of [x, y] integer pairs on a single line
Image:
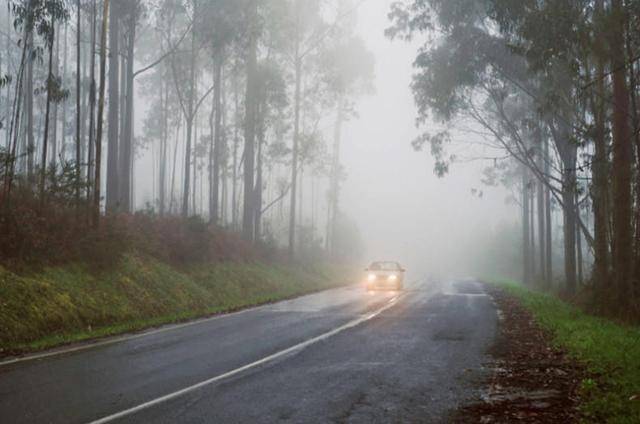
{"points": [[610, 352], [555, 115], [64, 280], [227, 195], [73, 302]]}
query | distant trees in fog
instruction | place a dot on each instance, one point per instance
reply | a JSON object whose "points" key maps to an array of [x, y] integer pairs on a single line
{"points": [[553, 86], [236, 95]]}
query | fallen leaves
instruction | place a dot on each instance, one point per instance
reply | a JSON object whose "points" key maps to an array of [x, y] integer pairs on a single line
{"points": [[531, 381]]}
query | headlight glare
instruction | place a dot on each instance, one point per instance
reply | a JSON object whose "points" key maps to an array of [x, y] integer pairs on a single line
{"points": [[371, 277]]}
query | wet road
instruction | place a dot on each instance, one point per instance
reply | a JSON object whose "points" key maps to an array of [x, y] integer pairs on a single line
{"points": [[342, 355]]}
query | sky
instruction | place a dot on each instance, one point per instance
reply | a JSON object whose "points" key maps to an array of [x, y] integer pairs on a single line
{"points": [[403, 210]]}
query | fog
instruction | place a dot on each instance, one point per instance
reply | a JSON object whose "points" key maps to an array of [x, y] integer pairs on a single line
{"points": [[403, 211], [392, 202], [245, 210], [402, 208]]}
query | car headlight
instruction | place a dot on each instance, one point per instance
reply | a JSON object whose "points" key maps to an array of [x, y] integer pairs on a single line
{"points": [[393, 277], [371, 277]]}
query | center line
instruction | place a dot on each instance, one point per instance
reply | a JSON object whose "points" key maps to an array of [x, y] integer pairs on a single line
{"points": [[254, 364]]}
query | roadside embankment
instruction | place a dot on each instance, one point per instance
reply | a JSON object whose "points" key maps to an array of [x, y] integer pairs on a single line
{"points": [[73, 302]]}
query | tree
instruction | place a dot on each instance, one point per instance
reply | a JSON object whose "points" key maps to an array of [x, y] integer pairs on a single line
{"points": [[49, 12], [112, 195], [622, 159], [103, 63], [349, 74], [78, 111], [489, 57], [249, 207]]}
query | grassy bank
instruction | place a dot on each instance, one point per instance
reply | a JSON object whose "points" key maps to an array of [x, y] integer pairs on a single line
{"points": [[611, 353], [73, 302]]}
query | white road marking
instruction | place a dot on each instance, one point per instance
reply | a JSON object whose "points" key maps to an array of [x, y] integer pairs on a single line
{"points": [[243, 368]]}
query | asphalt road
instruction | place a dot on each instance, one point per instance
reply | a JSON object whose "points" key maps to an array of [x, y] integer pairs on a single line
{"points": [[342, 355]]}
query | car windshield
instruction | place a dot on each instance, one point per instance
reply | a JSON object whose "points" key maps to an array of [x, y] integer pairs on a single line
{"points": [[384, 266]]}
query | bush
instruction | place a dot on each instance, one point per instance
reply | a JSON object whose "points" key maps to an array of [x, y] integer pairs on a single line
{"points": [[60, 233]]}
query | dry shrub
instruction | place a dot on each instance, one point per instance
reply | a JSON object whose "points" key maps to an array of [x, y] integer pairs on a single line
{"points": [[180, 241], [54, 233], [60, 233]]}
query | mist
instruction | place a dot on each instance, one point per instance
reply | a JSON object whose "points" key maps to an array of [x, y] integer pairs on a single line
{"points": [[319, 211], [403, 209]]}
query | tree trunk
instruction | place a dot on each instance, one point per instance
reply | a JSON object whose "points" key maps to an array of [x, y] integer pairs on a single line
{"points": [[10, 161], [635, 119], [258, 190], [84, 115], [7, 109], [569, 212], [54, 129], [334, 189], [194, 184], [126, 147], [541, 213], [28, 103], [78, 112], [114, 105], [296, 141], [103, 65], [224, 154], [579, 243], [217, 144], [92, 101], [173, 170], [250, 126], [212, 150], [532, 233], [43, 163], [63, 135], [190, 117], [547, 214], [600, 186], [162, 180], [622, 159], [526, 251], [236, 143]]}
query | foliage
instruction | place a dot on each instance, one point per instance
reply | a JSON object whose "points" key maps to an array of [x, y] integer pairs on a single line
{"points": [[532, 80], [39, 16]]}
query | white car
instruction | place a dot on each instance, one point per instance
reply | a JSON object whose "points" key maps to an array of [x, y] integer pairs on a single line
{"points": [[384, 275]]}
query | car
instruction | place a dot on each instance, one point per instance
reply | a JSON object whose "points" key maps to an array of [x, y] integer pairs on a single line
{"points": [[384, 275]]}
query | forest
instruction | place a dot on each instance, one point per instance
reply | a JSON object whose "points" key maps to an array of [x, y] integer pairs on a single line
{"points": [[550, 88], [320, 211], [224, 104], [172, 125]]}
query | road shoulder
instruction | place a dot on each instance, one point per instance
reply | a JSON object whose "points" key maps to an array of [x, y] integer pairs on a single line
{"points": [[530, 380]]}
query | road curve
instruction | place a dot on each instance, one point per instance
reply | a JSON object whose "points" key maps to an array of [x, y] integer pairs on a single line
{"points": [[342, 355]]}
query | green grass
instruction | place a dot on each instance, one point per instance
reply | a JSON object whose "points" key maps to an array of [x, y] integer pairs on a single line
{"points": [[611, 352], [71, 303]]}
